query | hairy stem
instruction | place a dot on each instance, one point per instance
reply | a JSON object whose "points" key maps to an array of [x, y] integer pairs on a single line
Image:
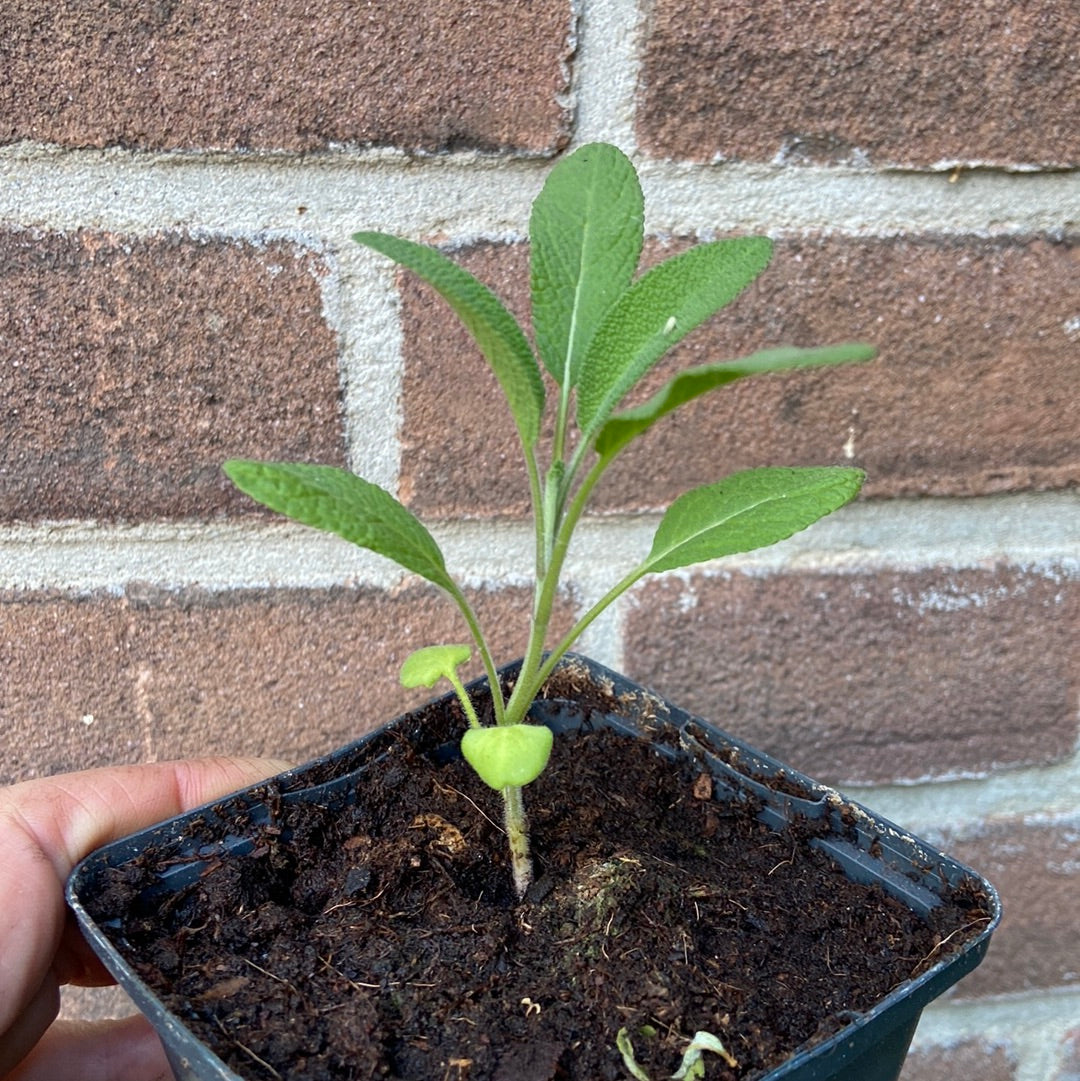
{"points": [[482, 648], [529, 681], [517, 833]]}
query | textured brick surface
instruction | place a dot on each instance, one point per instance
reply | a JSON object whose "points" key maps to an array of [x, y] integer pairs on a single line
{"points": [[968, 1059], [912, 83], [1035, 868], [972, 392], [453, 409], [156, 675], [133, 368], [292, 75], [871, 677]]}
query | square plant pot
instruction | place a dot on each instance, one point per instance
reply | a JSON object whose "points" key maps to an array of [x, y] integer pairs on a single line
{"points": [[208, 875]]}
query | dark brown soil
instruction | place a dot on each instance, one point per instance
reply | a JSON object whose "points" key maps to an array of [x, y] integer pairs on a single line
{"points": [[382, 940]]}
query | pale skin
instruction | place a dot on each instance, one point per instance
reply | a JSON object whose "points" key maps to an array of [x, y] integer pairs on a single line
{"points": [[46, 827]]}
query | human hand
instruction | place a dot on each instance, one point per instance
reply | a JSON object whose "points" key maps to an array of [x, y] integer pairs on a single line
{"points": [[46, 827]]}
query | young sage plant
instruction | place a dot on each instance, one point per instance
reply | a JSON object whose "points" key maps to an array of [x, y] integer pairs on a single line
{"points": [[599, 327]]}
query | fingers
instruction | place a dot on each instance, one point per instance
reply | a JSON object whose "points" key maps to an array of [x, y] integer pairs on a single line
{"points": [[32, 1022], [73, 813], [126, 1050], [48, 825]]}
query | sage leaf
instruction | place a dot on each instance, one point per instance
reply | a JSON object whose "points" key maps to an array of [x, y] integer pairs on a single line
{"points": [[657, 311], [495, 330], [586, 232], [623, 427], [337, 501], [747, 510]]}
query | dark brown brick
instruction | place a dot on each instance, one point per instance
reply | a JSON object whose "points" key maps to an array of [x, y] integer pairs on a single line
{"points": [[972, 393], [292, 75], [101, 680], [871, 677], [1034, 866], [911, 84], [459, 449], [134, 367], [968, 1059]]}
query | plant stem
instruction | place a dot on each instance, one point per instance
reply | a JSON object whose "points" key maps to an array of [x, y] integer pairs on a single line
{"points": [[464, 699], [528, 683], [575, 632], [517, 833], [485, 654]]}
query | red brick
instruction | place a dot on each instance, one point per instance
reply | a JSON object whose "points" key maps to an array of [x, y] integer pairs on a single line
{"points": [[911, 83], [136, 366], [288, 75], [460, 454], [1034, 866], [293, 673], [967, 1059], [871, 677], [971, 394]]}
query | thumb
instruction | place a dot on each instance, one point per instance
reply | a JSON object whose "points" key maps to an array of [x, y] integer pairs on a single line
{"points": [[125, 1050]]}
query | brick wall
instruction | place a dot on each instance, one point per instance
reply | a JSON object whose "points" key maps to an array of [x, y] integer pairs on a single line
{"points": [[179, 182]]}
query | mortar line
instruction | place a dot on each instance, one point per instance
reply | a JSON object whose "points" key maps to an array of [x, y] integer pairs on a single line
{"points": [[467, 196], [1038, 532], [606, 72]]}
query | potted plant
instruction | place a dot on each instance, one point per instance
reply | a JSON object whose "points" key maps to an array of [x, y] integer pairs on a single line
{"points": [[680, 906]]}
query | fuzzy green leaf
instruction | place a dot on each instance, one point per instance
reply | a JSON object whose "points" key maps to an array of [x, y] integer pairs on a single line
{"points": [[495, 330], [337, 501], [747, 510], [425, 667], [657, 311], [509, 755], [586, 233], [623, 427]]}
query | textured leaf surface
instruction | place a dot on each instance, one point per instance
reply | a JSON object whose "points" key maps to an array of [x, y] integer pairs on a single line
{"points": [[747, 510], [692, 383], [495, 330], [586, 233], [337, 501], [657, 311], [507, 755], [425, 667]]}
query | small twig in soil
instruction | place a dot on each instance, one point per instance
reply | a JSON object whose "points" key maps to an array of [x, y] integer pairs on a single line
{"points": [[274, 976], [958, 931], [469, 799], [247, 1050], [786, 863]]}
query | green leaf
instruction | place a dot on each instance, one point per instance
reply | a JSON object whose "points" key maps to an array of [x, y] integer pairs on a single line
{"points": [[495, 330], [585, 233], [657, 311], [626, 1049], [337, 501], [692, 1066], [692, 383], [425, 667], [747, 510], [508, 755]]}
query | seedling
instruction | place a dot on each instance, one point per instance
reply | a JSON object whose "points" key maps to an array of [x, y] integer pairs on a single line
{"points": [[599, 329]]}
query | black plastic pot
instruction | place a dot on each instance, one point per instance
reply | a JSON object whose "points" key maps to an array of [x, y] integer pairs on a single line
{"points": [[870, 1047]]}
